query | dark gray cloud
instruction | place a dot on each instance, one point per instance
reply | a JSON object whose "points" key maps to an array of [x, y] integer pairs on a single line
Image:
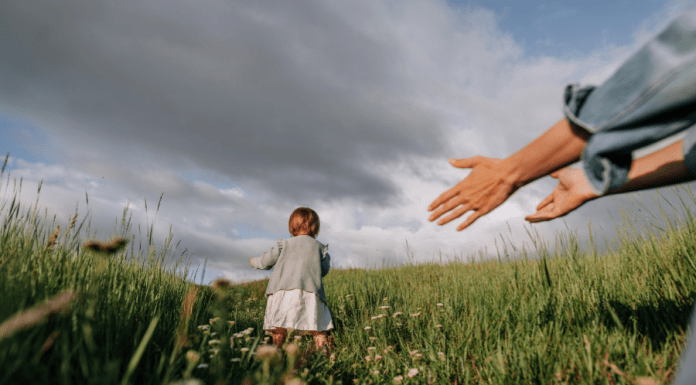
{"points": [[292, 98]]}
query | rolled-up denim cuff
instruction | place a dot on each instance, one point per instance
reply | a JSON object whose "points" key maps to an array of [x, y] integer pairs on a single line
{"points": [[689, 149], [573, 99]]}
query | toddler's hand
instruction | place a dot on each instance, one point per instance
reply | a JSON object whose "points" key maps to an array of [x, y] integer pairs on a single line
{"points": [[572, 191]]}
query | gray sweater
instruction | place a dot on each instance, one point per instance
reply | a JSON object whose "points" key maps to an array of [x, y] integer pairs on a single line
{"points": [[300, 263]]}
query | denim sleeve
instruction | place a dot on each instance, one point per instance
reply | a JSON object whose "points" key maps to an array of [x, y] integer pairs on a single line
{"points": [[689, 149], [650, 97]]}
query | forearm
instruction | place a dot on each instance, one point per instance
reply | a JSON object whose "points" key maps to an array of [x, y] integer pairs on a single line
{"points": [[661, 168], [559, 146]]}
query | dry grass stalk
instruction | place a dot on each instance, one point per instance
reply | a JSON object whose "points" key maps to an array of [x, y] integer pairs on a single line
{"points": [[186, 311], [52, 240], [36, 314]]}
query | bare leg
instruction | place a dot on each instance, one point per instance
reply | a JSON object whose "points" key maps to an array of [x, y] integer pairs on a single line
{"points": [[320, 342], [279, 335]]}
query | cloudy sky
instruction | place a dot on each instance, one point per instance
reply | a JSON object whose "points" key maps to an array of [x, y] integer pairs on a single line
{"points": [[240, 111]]}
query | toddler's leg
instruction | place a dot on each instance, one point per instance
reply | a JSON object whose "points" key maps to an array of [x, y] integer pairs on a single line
{"points": [[279, 335], [320, 341]]}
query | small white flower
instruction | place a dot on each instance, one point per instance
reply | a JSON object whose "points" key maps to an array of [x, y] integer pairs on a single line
{"points": [[376, 372], [413, 353], [377, 357], [371, 348], [213, 334], [213, 320], [441, 355], [231, 323], [438, 326], [244, 350], [214, 351], [380, 316], [349, 295], [416, 314], [384, 307], [373, 318], [202, 366], [235, 360], [203, 327], [385, 299], [412, 373], [332, 357], [213, 342], [368, 358], [297, 337], [373, 338], [398, 313], [367, 328], [439, 304], [398, 324], [398, 379]]}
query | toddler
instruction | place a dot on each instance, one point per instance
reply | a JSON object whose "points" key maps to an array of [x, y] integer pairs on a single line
{"points": [[295, 292]]}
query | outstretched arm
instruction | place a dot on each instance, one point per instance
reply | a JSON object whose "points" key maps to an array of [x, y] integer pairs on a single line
{"points": [[661, 168], [492, 181]]}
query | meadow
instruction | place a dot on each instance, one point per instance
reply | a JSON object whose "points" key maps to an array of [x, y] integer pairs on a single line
{"points": [[79, 307]]}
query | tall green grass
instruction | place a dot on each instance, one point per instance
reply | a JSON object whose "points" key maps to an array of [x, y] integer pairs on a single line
{"points": [[563, 315]]}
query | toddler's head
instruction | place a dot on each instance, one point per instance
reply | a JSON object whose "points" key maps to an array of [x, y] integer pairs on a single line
{"points": [[304, 221]]}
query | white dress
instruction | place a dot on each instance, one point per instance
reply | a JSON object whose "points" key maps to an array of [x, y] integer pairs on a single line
{"points": [[298, 310]]}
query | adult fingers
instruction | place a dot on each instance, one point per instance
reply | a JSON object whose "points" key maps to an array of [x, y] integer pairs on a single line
{"points": [[545, 202], [454, 215], [539, 217], [471, 218], [443, 198], [467, 162], [447, 206]]}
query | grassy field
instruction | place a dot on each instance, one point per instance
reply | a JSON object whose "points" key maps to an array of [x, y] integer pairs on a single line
{"points": [[77, 311]]}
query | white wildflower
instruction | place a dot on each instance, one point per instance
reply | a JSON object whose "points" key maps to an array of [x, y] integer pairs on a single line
{"points": [[438, 326], [368, 358], [367, 328], [349, 295], [213, 320], [203, 327], [213, 342], [371, 348], [412, 373], [439, 304], [416, 314], [413, 353], [376, 372], [202, 366], [384, 307], [441, 355], [235, 360], [398, 379], [377, 357], [244, 350], [398, 313]]}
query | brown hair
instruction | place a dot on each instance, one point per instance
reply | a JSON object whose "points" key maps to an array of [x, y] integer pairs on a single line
{"points": [[304, 221]]}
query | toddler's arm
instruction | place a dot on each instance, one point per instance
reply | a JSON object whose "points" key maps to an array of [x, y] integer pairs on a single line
{"points": [[325, 261], [267, 259]]}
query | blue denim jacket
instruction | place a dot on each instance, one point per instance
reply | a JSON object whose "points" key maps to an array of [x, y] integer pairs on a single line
{"points": [[650, 97]]}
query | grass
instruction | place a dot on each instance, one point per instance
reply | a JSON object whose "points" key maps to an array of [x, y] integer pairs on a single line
{"points": [[77, 309]]}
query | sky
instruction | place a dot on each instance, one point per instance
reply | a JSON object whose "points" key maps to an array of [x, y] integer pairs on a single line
{"points": [[237, 112]]}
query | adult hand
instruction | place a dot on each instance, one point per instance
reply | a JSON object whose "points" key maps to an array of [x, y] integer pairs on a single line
{"points": [[487, 186], [572, 191]]}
